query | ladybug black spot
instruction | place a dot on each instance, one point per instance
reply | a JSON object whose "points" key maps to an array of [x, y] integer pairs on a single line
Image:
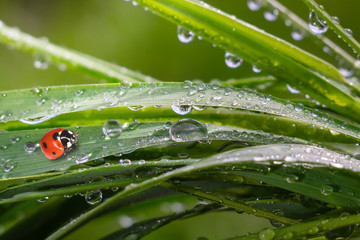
{"points": [[56, 136], [45, 145], [53, 153]]}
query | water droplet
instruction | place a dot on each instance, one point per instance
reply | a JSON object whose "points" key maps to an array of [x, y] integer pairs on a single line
{"points": [[348, 32], [326, 190], [184, 35], [93, 197], [317, 25], [188, 130], [266, 234], [232, 61], [135, 108], [182, 110], [30, 147], [292, 90], [41, 62], [43, 199], [83, 158], [79, 92], [256, 69], [125, 221], [297, 35], [277, 212], [271, 16], [112, 128], [199, 108], [254, 5], [335, 19]]}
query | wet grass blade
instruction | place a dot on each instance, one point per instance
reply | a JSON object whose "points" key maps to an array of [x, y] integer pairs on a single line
{"points": [[47, 103], [343, 34], [80, 62], [16, 162], [267, 52], [297, 153]]}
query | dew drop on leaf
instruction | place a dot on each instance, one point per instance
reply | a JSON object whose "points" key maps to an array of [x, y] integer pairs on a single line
{"points": [[182, 109], [348, 32], [254, 5], [292, 90], [43, 199], [297, 35], [93, 197], [40, 62], [30, 147], [271, 15], [112, 128], [188, 130], [317, 25], [266, 234], [125, 221], [232, 61], [184, 35], [256, 69]]}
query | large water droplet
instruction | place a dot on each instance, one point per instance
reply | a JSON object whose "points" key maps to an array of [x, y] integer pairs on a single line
{"points": [[184, 35], [317, 25], [30, 147], [232, 61], [254, 5], [94, 196], [271, 16], [188, 130], [182, 110], [112, 128]]}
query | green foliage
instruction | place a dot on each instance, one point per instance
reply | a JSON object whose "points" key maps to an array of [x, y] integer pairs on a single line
{"points": [[283, 146]]}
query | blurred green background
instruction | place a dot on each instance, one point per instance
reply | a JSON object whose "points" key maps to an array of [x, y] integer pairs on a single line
{"points": [[118, 32]]}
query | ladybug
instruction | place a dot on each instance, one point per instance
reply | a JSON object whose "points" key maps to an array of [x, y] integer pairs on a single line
{"points": [[57, 142]]}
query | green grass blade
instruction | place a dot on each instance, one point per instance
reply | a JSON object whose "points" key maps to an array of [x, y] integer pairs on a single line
{"points": [[16, 162], [288, 153], [336, 27], [23, 104], [267, 52], [305, 230], [300, 25], [77, 61]]}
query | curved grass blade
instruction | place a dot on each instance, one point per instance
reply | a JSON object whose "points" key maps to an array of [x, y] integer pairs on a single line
{"points": [[300, 25], [141, 229], [305, 230], [25, 104], [336, 27], [77, 61], [16, 162], [293, 153], [81, 181], [265, 51], [241, 119]]}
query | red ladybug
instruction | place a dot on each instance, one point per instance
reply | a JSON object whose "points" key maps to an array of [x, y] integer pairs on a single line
{"points": [[57, 142]]}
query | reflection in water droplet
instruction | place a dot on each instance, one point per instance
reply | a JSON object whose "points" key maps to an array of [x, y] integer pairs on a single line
{"points": [[271, 16], [94, 196], [184, 35], [317, 25], [182, 110], [30, 147], [232, 61], [254, 5], [188, 130], [112, 128]]}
